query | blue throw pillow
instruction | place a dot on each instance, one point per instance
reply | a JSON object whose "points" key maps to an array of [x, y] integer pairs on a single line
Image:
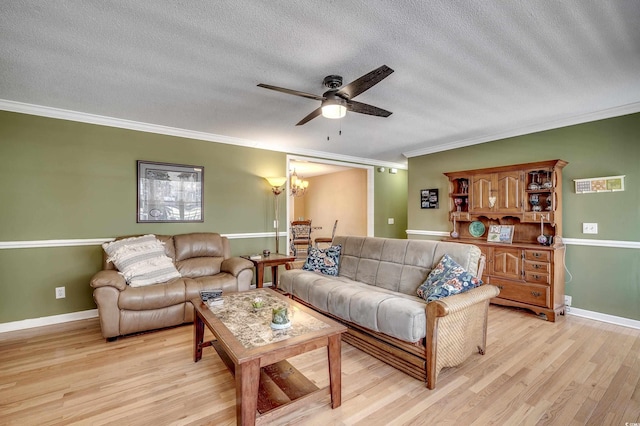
{"points": [[446, 279], [324, 261]]}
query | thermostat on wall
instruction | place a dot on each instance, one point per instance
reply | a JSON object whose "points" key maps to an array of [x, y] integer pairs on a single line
{"points": [[599, 184]]}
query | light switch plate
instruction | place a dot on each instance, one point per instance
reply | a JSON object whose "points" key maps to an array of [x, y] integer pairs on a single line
{"points": [[390, 221], [589, 228]]}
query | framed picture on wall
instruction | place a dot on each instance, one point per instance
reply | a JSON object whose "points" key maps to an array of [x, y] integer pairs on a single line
{"points": [[429, 198], [169, 193]]}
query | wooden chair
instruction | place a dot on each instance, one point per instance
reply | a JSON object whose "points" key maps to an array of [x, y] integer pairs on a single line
{"points": [[326, 240], [300, 237]]}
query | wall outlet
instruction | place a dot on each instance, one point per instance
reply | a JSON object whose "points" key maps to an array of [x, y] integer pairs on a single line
{"points": [[589, 228], [60, 293], [567, 300], [390, 221]]}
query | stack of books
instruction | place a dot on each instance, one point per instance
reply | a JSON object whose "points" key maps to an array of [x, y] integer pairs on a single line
{"points": [[212, 297]]}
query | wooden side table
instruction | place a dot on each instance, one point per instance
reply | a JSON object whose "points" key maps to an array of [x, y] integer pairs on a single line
{"points": [[274, 260]]}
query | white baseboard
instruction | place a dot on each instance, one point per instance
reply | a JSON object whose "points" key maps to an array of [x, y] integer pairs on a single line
{"points": [[42, 321], [611, 319], [93, 313]]}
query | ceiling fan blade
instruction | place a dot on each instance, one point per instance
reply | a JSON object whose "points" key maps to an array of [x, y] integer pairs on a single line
{"points": [[365, 82], [316, 112], [361, 108], [292, 92]]}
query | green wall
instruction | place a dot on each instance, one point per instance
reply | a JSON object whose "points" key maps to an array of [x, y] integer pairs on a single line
{"points": [[392, 203], [605, 279], [67, 180]]}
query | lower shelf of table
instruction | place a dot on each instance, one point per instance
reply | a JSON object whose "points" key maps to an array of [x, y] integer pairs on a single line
{"points": [[280, 383]]}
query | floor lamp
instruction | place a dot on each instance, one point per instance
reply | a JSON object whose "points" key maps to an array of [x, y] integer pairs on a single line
{"points": [[276, 187]]}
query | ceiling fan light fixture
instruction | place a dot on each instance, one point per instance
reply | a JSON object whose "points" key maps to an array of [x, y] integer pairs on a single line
{"points": [[334, 107]]}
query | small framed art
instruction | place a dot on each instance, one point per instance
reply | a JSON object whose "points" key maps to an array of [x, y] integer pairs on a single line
{"points": [[500, 234], [429, 198]]}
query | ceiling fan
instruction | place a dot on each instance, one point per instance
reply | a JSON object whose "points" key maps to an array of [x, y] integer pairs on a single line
{"points": [[335, 101]]}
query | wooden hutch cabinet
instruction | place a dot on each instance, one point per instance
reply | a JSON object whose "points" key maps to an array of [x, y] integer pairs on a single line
{"points": [[528, 269]]}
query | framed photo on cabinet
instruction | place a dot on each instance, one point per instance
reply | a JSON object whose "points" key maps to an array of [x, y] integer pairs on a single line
{"points": [[500, 234]]}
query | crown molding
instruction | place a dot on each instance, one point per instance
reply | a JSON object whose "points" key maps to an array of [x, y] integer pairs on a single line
{"points": [[82, 117], [529, 129]]}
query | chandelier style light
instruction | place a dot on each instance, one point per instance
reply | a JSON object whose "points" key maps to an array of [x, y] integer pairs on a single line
{"points": [[298, 186]]}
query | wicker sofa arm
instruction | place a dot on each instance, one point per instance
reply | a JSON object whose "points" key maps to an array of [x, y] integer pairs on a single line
{"points": [[296, 264], [108, 278], [458, 302], [235, 265], [456, 327]]}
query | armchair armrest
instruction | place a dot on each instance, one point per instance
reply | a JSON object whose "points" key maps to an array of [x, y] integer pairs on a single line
{"points": [[108, 278], [235, 265]]}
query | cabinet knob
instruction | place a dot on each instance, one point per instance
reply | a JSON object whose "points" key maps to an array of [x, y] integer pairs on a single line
{"points": [[536, 266], [501, 287], [536, 293], [536, 254]]}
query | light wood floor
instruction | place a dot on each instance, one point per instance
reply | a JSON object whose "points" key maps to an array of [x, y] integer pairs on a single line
{"points": [[572, 372]]}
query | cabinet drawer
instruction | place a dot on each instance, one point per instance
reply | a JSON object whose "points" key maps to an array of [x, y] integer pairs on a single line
{"points": [[535, 217], [537, 277], [532, 294], [541, 267], [537, 255]]}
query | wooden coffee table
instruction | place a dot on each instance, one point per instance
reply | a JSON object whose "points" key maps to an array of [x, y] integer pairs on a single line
{"points": [[267, 386]]}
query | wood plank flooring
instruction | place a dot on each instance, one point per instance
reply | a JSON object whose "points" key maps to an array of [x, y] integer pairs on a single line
{"points": [[572, 372]]}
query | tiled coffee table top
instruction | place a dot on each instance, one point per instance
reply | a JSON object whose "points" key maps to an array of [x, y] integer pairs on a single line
{"points": [[252, 327]]}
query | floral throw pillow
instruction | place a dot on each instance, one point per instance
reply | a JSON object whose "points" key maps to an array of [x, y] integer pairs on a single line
{"points": [[324, 261], [446, 279]]}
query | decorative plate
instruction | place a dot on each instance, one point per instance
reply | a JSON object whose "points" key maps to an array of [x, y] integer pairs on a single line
{"points": [[476, 228]]}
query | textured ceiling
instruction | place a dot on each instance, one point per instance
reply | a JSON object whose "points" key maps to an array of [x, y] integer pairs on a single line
{"points": [[465, 71]]}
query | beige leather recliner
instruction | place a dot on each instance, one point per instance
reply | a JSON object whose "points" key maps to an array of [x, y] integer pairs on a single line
{"points": [[204, 261]]}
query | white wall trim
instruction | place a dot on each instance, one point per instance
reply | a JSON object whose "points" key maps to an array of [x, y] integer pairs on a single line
{"points": [[611, 319], [568, 241], [529, 129], [82, 117], [51, 320], [93, 313], [100, 241], [425, 232], [601, 243]]}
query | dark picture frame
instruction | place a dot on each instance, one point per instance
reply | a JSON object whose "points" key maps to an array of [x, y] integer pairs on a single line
{"points": [[169, 193], [429, 199]]}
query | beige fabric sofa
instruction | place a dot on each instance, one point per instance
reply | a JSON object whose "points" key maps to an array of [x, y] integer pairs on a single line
{"points": [[203, 260], [374, 294]]}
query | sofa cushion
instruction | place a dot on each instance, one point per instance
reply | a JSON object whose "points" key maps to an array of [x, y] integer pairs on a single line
{"points": [[446, 279], [141, 260], [378, 309], [325, 261]]}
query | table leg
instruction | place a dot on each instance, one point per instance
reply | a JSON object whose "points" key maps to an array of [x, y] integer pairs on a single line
{"points": [[274, 277], [198, 336], [259, 275], [247, 384], [335, 370]]}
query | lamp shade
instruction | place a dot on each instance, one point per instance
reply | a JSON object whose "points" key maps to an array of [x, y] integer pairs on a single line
{"points": [[276, 181]]}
